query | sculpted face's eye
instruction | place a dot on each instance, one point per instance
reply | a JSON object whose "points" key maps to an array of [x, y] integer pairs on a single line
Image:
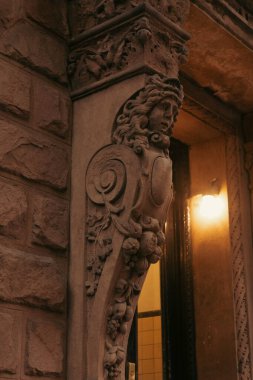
{"points": [[166, 107], [174, 110]]}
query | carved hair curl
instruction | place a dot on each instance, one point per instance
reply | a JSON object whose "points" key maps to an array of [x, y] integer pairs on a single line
{"points": [[132, 121]]}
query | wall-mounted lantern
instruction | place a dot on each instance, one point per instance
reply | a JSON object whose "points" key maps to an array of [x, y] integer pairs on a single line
{"points": [[211, 204]]}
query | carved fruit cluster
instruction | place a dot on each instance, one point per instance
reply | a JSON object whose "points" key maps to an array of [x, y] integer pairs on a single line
{"points": [[121, 311], [114, 356], [139, 253]]}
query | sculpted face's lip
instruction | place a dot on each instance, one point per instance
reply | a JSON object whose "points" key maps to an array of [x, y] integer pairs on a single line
{"points": [[166, 127]]}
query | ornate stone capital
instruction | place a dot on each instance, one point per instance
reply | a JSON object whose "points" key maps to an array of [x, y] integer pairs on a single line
{"points": [[137, 40]]}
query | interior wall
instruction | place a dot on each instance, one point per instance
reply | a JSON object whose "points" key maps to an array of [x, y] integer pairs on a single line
{"points": [[212, 273]]}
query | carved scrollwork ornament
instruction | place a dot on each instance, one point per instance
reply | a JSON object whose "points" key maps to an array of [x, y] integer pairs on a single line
{"points": [[129, 189]]}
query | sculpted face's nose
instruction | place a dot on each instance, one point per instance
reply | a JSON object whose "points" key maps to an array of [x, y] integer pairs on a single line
{"points": [[168, 111]]}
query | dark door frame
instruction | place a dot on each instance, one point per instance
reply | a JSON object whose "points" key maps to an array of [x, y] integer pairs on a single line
{"points": [[176, 277]]}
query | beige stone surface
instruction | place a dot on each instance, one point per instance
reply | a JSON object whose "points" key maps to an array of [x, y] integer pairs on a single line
{"points": [[51, 110], [44, 348], [15, 88], [34, 159], [51, 14], [50, 223], [8, 343], [29, 279], [29, 45], [13, 210]]}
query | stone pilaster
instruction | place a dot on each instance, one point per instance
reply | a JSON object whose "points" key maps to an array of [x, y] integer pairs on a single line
{"points": [[123, 68]]}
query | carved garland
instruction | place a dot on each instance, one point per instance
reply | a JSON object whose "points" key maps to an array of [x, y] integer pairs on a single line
{"points": [[239, 276], [129, 186]]}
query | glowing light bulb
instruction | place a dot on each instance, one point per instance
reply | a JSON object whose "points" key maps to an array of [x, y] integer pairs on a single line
{"points": [[211, 207]]}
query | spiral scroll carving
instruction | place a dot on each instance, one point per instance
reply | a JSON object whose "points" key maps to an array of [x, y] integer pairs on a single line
{"points": [[106, 181]]}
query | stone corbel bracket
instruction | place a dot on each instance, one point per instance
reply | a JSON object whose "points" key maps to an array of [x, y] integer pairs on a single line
{"points": [[141, 40], [129, 190]]}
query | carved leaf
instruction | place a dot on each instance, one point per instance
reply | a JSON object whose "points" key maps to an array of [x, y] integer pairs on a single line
{"points": [[93, 68], [118, 54]]}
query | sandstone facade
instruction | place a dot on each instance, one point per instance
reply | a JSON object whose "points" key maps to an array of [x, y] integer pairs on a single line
{"points": [[44, 348], [35, 131], [8, 350]]}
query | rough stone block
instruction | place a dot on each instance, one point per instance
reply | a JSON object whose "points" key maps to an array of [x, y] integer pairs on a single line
{"points": [[51, 110], [13, 211], [30, 279], [37, 160], [15, 88], [9, 343], [44, 348], [27, 44], [7, 12], [51, 14], [50, 223]]}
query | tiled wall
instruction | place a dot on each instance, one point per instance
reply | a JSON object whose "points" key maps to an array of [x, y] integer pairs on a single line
{"points": [[149, 348]]}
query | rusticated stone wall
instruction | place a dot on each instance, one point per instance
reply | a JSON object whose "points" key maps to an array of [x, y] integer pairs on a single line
{"points": [[35, 137]]}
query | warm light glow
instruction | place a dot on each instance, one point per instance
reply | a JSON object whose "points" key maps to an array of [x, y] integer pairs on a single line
{"points": [[211, 207]]}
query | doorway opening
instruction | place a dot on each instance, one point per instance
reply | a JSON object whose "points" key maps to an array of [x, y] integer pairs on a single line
{"points": [[162, 339]]}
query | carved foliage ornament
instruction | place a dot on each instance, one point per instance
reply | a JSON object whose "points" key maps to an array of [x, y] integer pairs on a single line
{"points": [[129, 188], [140, 43], [93, 12]]}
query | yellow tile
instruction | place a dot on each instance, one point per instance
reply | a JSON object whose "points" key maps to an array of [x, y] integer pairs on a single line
{"points": [[148, 351], [140, 352], [147, 323], [148, 376], [157, 336], [148, 366], [157, 350], [158, 365], [140, 366], [140, 338], [158, 376], [157, 323], [147, 337]]}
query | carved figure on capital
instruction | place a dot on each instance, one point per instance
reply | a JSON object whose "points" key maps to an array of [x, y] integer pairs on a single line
{"points": [[129, 189]]}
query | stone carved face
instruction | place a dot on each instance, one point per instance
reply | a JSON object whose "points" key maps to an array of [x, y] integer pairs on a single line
{"points": [[147, 118], [163, 115]]}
